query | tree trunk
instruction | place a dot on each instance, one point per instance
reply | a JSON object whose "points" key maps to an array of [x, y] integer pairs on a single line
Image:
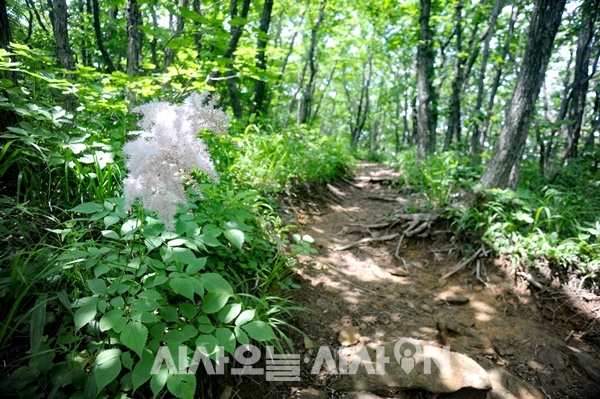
{"points": [[260, 86], [58, 16], [498, 75], [454, 117], [176, 31], [134, 20], [7, 117], [579, 88], [425, 58], [474, 148], [234, 38], [305, 108], [99, 40], [503, 169]]}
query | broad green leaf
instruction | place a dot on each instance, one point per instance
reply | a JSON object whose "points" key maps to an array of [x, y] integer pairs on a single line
{"points": [[235, 237], [87, 207], [182, 386], [158, 380], [259, 330], [111, 234], [38, 320], [182, 286], [204, 325], [127, 360], [86, 312], [216, 283], [241, 336], [97, 286], [134, 336], [226, 339], [188, 310], [108, 367], [213, 302], [245, 317], [141, 371], [229, 312], [113, 320]]}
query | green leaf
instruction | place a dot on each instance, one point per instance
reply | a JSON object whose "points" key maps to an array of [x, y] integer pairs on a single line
{"points": [[182, 386], [158, 380], [108, 367], [213, 302], [245, 317], [110, 234], [134, 336], [229, 312], [235, 237], [195, 266], [216, 283], [87, 207], [259, 330], [97, 286], [127, 360], [187, 310], [113, 320], [38, 319], [182, 286], [241, 336], [205, 326], [226, 339], [86, 312], [141, 371]]}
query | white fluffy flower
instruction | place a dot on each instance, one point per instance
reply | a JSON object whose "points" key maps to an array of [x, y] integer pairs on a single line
{"points": [[159, 161]]}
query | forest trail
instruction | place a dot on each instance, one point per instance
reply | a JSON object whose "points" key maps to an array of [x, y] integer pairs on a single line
{"points": [[541, 342]]}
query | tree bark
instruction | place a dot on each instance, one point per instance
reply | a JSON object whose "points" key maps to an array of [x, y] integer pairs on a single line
{"points": [[58, 16], [176, 31], [474, 148], [425, 59], [7, 117], [498, 76], [260, 86], [234, 38], [305, 108], [134, 20], [454, 124], [504, 167], [579, 88], [99, 40]]}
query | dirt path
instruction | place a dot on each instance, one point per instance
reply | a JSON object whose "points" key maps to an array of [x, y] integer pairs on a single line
{"points": [[543, 337]]}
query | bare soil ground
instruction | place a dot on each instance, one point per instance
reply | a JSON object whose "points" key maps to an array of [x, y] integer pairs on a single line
{"points": [[548, 335]]}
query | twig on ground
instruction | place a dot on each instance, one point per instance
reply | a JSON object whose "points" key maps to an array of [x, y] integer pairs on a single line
{"points": [[464, 263], [366, 240], [529, 278]]}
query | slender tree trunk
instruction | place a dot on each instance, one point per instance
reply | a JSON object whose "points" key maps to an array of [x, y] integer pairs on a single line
{"points": [[197, 7], [134, 20], [474, 148], [503, 169], [176, 31], [234, 38], [260, 86], [305, 109], [58, 16], [455, 116], [99, 40], [425, 59], [589, 14], [498, 76]]}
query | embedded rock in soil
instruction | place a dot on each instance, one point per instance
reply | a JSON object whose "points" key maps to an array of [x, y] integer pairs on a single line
{"points": [[349, 336], [507, 386], [434, 369]]}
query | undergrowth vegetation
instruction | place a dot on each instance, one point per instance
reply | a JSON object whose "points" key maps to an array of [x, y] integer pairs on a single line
{"points": [[556, 221], [90, 292]]}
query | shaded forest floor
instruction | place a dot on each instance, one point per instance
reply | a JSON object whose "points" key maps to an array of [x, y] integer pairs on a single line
{"points": [[381, 291]]}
